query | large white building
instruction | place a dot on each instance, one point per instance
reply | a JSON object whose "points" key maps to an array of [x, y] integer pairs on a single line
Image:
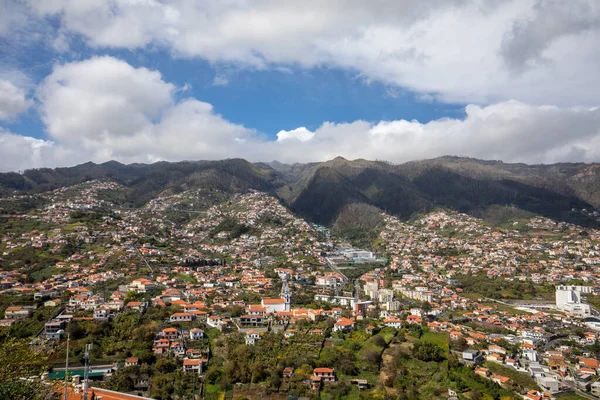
{"points": [[568, 299], [284, 302]]}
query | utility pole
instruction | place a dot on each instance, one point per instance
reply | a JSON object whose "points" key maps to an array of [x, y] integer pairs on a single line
{"points": [[86, 370], [67, 366]]}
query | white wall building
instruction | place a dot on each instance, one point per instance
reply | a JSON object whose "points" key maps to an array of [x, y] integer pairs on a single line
{"points": [[568, 299]]}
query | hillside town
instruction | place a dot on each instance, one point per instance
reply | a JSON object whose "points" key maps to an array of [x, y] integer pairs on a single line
{"points": [[202, 293]]}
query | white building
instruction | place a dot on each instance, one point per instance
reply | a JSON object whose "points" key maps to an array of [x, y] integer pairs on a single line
{"points": [[568, 299], [252, 337]]}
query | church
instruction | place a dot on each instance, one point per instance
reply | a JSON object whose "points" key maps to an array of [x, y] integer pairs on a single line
{"points": [[280, 304]]}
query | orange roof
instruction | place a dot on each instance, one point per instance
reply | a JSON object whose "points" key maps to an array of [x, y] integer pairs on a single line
{"points": [[273, 301], [323, 370], [192, 362], [589, 362], [344, 322]]}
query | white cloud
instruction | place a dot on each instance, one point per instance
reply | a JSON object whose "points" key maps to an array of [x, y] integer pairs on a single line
{"points": [[220, 80], [13, 100], [103, 108], [106, 109], [102, 96], [19, 152], [302, 134], [459, 51]]}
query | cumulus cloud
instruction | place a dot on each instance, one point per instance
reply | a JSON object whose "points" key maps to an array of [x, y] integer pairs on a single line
{"points": [[302, 134], [108, 109], [530, 50], [19, 152], [103, 108], [102, 96], [13, 100]]}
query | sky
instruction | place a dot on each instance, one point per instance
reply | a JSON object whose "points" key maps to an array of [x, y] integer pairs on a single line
{"points": [[395, 80]]}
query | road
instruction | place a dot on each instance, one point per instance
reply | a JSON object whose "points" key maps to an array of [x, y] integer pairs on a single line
{"points": [[144, 259], [334, 268]]}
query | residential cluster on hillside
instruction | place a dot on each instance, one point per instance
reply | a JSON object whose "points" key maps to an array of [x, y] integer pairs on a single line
{"points": [[245, 271]]}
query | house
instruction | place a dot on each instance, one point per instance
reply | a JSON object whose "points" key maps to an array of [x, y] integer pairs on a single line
{"points": [[17, 312], [161, 346], [511, 362], [136, 305], [530, 354], [494, 348], [177, 348], [131, 361], [182, 317], [414, 319], [588, 362], [500, 380], [170, 333], [53, 330], [252, 320], [53, 303], [288, 372], [343, 325], [472, 356], [549, 384], [533, 395], [196, 334], [393, 322], [141, 285], [194, 365], [252, 336], [213, 321], [494, 357], [360, 383], [595, 387], [101, 313], [324, 374]]}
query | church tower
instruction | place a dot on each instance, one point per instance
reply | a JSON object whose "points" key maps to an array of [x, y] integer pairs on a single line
{"points": [[286, 295]]}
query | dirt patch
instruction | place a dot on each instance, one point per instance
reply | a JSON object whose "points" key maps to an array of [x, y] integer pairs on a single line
{"points": [[386, 365]]}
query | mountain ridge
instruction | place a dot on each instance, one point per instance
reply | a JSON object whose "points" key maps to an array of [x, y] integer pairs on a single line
{"points": [[319, 191]]}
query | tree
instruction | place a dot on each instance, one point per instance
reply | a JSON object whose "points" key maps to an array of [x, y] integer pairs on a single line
{"points": [[20, 361], [371, 356], [427, 351], [213, 373], [165, 365], [121, 380]]}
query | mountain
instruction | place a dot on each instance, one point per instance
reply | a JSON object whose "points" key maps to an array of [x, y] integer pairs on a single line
{"points": [[320, 191]]}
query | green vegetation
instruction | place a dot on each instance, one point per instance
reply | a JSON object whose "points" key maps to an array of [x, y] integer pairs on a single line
{"points": [[233, 227], [438, 338], [507, 217], [20, 361], [358, 223], [500, 288]]}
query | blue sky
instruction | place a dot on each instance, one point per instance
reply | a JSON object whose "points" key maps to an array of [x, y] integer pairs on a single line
{"points": [[264, 79], [265, 100]]}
